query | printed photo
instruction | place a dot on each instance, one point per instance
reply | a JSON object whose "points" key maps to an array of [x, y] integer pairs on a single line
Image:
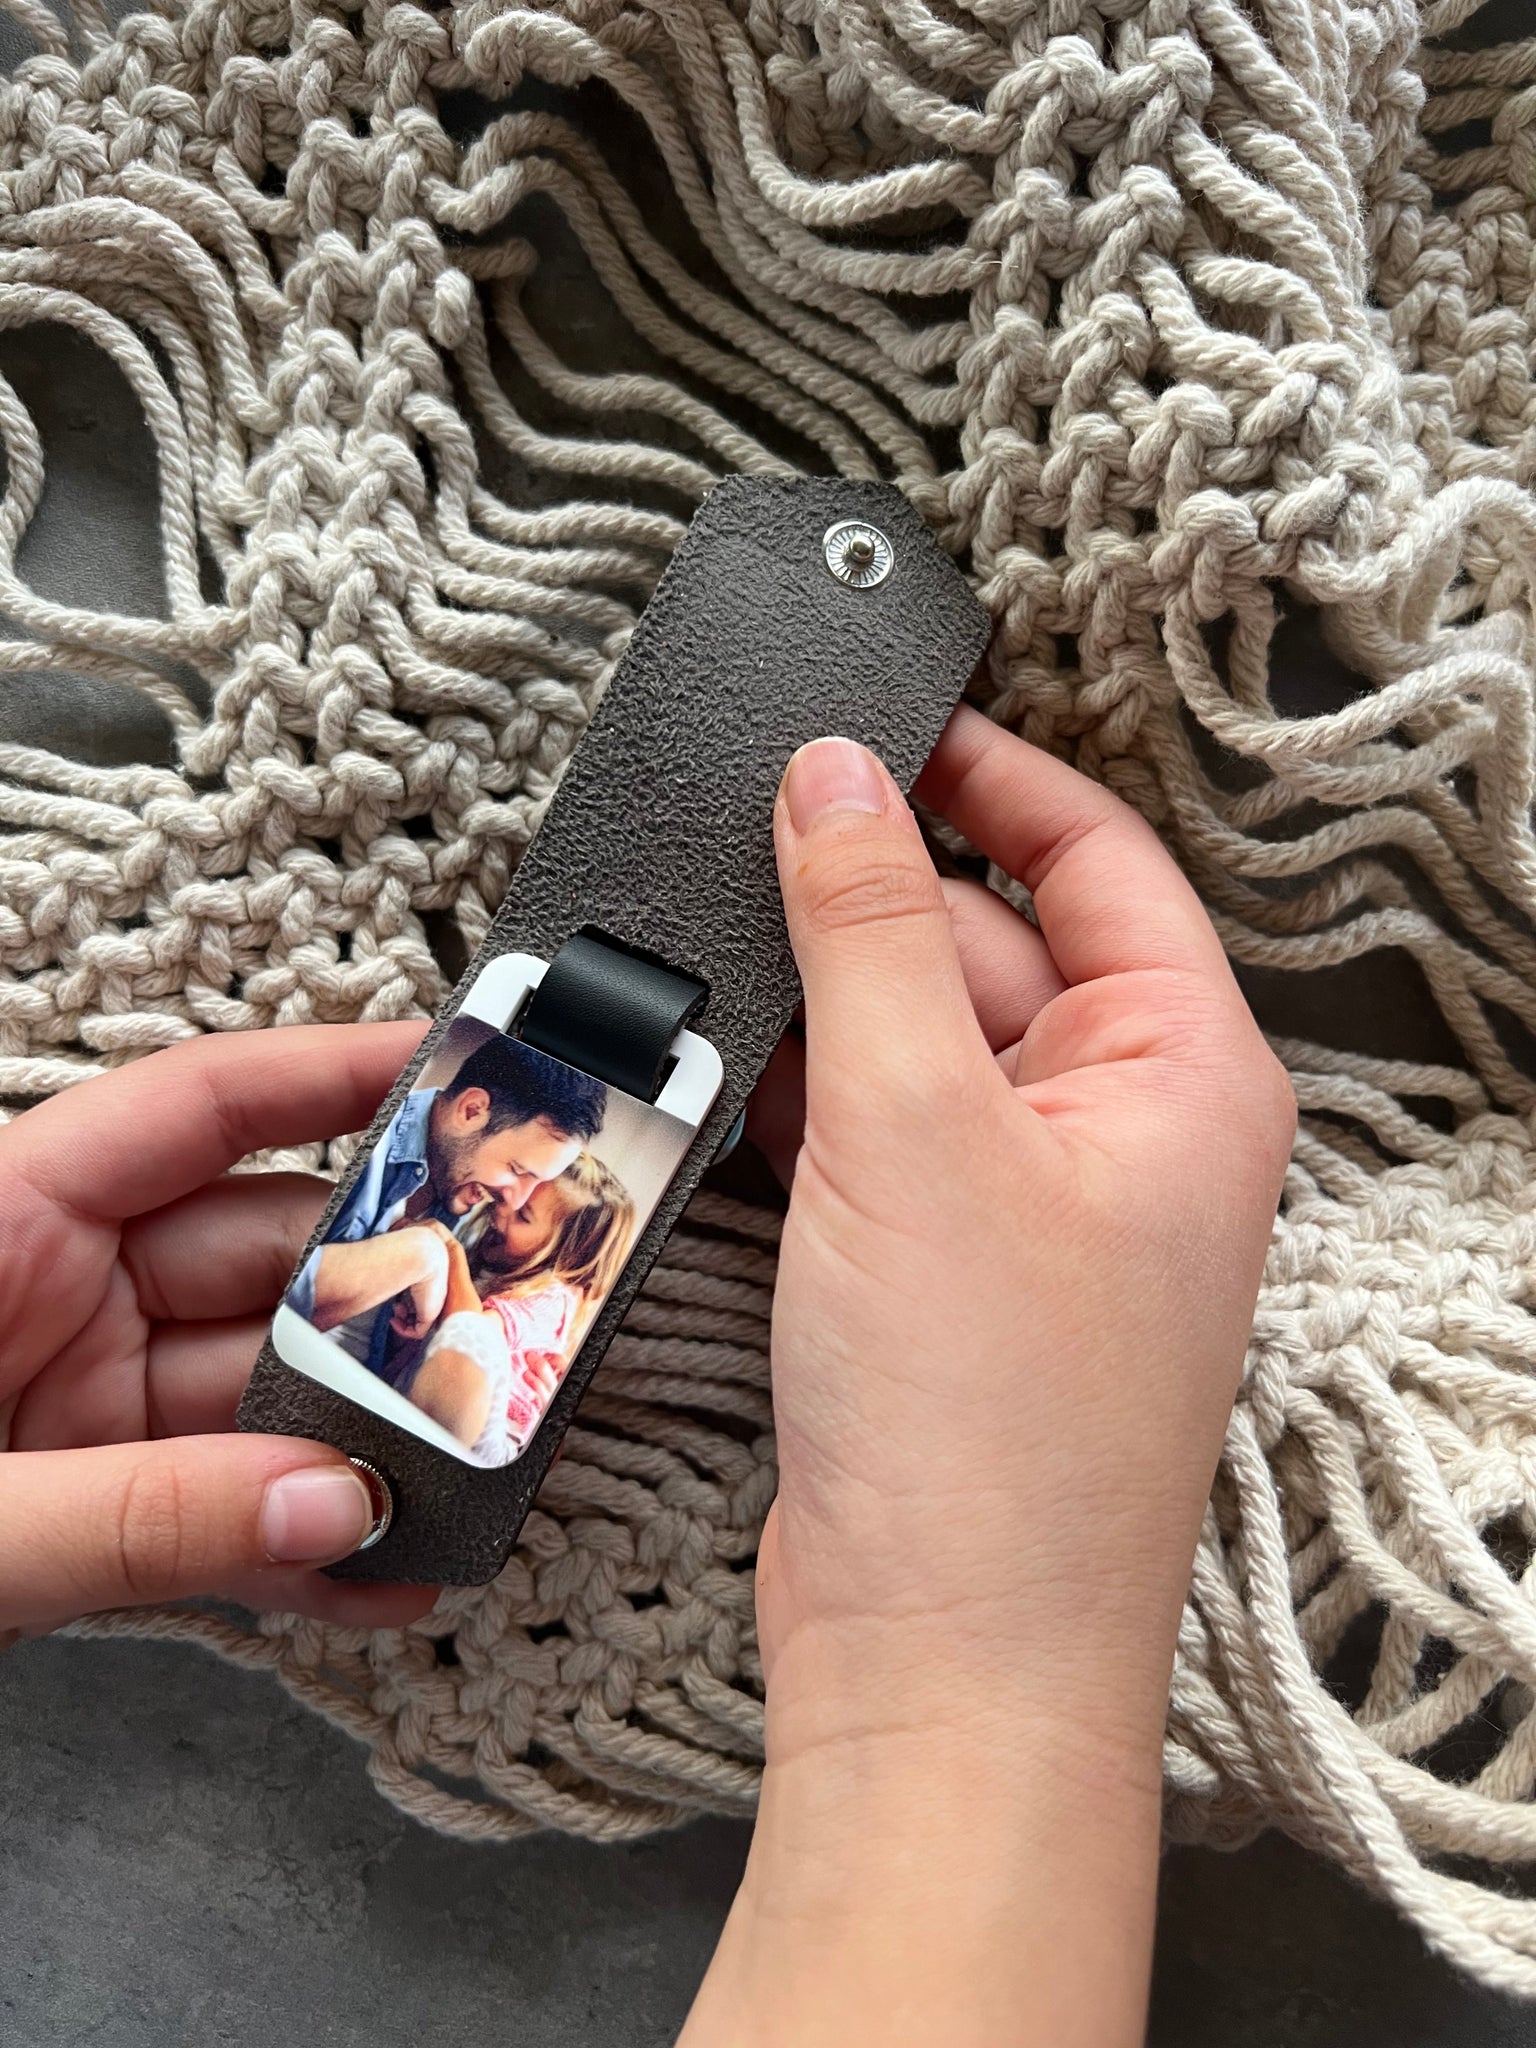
{"points": [[478, 1242]]}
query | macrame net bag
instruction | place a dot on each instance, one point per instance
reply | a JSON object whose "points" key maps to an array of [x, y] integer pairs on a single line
{"points": [[1181, 321]]}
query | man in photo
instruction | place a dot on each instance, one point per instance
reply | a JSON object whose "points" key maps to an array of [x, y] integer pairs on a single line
{"points": [[507, 1122]]}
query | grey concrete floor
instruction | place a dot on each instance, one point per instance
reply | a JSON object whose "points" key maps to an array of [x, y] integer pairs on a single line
{"points": [[188, 1857], [190, 1860]]}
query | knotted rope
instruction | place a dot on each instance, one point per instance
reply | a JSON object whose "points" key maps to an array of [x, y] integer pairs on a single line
{"points": [[1181, 320]]}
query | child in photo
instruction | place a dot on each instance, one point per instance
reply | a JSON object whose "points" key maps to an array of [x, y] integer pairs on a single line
{"points": [[517, 1306]]}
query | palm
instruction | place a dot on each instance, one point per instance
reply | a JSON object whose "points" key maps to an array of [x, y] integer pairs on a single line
{"points": [[148, 1328], [91, 1386]]}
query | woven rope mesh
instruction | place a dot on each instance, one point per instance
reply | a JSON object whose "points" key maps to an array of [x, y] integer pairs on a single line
{"points": [[1182, 321]]}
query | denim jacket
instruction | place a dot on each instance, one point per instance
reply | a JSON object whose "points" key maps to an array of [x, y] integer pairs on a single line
{"points": [[396, 1169]]}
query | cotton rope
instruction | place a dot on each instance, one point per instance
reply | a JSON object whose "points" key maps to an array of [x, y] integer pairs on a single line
{"points": [[1172, 316]]}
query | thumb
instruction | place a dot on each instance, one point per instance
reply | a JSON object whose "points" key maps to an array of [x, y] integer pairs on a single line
{"points": [[128, 1523], [885, 999]]}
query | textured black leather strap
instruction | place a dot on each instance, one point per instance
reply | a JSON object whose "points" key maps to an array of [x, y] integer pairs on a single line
{"points": [[611, 1013], [660, 838]]}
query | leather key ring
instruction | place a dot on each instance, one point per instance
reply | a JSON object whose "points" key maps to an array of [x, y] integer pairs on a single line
{"points": [[636, 980]]}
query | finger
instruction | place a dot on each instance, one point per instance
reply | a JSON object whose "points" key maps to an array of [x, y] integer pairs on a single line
{"points": [[1109, 897], [1009, 975], [336, 1601], [1008, 969], [311, 1594], [194, 1376], [144, 1136], [885, 1001], [198, 1372], [227, 1250], [123, 1524]]}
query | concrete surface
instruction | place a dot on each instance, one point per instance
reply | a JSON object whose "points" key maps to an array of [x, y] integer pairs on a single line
{"points": [[187, 1857], [190, 1860]]}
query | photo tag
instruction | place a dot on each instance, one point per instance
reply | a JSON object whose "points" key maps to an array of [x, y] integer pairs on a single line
{"points": [[486, 1227]]}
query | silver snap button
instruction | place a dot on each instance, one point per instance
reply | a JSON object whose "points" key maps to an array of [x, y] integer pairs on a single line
{"points": [[732, 1138], [382, 1495], [857, 554]]}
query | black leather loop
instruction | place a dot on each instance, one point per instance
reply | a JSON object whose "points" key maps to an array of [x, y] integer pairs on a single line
{"points": [[610, 1013]]}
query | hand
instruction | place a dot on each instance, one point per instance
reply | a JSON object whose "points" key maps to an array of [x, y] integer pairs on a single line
{"points": [[137, 1279], [406, 1318], [420, 1302], [459, 1290], [1027, 1225], [546, 1369]]}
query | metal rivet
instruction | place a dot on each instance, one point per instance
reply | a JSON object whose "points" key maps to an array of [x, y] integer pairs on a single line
{"points": [[383, 1501], [857, 553]]}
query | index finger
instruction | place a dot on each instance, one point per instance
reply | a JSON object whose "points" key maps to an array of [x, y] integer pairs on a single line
{"points": [[149, 1133], [1109, 896]]}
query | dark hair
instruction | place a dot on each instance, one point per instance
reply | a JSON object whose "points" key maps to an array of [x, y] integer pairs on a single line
{"points": [[523, 1084]]}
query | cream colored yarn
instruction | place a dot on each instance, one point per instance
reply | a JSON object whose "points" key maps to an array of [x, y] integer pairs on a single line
{"points": [[1167, 314]]}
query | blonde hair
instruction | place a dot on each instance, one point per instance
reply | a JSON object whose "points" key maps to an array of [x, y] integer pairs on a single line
{"points": [[588, 1244]]}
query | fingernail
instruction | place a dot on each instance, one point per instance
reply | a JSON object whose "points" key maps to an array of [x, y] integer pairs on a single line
{"points": [[832, 775], [316, 1515]]}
